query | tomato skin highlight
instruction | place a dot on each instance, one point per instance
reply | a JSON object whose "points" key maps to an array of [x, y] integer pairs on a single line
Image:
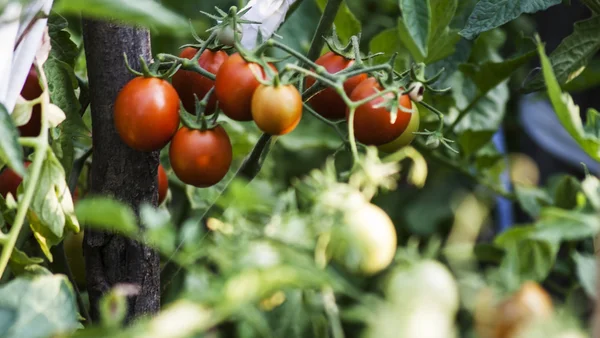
{"points": [[201, 157], [146, 113], [277, 110], [328, 103], [235, 85], [32, 90], [163, 184], [10, 180], [188, 83], [371, 124], [407, 135]]}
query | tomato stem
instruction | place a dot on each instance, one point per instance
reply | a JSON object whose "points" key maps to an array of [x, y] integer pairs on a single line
{"points": [[326, 21], [186, 64], [351, 137]]}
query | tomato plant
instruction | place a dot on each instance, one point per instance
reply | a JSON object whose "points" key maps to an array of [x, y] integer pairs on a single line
{"points": [[407, 136], [188, 83], [146, 113], [200, 157], [276, 110], [235, 84], [10, 181], [372, 125], [32, 90], [327, 102]]}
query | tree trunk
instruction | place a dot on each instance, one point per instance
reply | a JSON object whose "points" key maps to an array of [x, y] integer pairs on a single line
{"points": [[117, 170]]}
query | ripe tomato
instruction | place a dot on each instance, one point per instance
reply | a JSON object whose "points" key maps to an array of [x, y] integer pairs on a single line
{"points": [[163, 184], [371, 123], [235, 85], [10, 180], [200, 157], [407, 135], [32, 90], [147, 113], [73, 245], [367, 243], [276, 110], [188, 83], [328, 103]]}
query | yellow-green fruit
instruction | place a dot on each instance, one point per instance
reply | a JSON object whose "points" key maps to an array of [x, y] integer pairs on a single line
{"points": [[366, 243], [407, 136], [74, 250]]}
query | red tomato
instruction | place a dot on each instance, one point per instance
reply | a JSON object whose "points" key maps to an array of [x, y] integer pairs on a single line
{"points": [[276, 110], [235, 85], [163, 184], [371, 123], [188, 83], [32, 90], [328, 103], [407, 136], [147, 113], [10, 180], [201, 157]]}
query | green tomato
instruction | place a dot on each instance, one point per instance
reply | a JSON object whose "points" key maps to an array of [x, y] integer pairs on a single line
{"points": [[366, 243], [407, 135]]}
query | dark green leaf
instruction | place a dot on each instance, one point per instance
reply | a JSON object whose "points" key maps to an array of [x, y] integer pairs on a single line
{"points": [[416, 16], [573, 53], [11, 152], [146, 13], [19, 261], [532, 199], [345, 22], [63, 48], [489, 14], [388, 42], [594, 5], [591, 188], [566, 191], [37, 308], [565, 225], [106, 214], [586, 272]]}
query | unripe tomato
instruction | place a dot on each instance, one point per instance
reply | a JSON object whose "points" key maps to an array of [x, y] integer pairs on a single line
{"points": [[201, 157], [188, 83], [235, 85], [407, 135], [328, 103], [372, 123], [163, 184], [276, 110], [367, 243], [73, 245], [10, 180], [147, 113], [32, 90]]}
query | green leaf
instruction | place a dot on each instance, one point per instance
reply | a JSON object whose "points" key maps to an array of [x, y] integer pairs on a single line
{"points": [[489, 14], [20, 262], [38, 307], [566, 191], [586, 272], [416, 16], [107, 214], [573, 53], [147, 13], [158, 229], [63, 48], [345, 22], [532, 199], [444, 46], [566, 225], [408, 42], [568, 112], [591, 188], [589, 78], [594, 5], [10, 149], [388, 42]]}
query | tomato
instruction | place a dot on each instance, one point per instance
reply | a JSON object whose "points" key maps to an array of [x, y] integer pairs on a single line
{"points": [[188, 83], [147, 113], [277, 110], [201, 157], [73, 245], [407, 135], [235, 85], [32, 90], [10, 180], [163, 184], [367, 243], [328, 103], [371, 123]]}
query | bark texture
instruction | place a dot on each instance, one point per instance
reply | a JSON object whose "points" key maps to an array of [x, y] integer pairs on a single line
{"points": [[118, 171]]}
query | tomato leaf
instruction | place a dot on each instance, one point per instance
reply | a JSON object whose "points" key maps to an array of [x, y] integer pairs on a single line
{"points": [[107, 214], [388, 42], [416, 15], [489, 14], [19, 262], [11, 152], [594, 5], [589, 78], [565, 191], [39, 307], [568, 112], [345, 22], [532, 199], [147, 13], [573, 53], [586, 272]]}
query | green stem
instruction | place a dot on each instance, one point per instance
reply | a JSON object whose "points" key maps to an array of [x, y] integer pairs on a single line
{"points": [[323, 27], [326, 121], [328, 79], [186, 64], [351, 137], [350, 71], [32, 181], [292, 52], [464, 112]]}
